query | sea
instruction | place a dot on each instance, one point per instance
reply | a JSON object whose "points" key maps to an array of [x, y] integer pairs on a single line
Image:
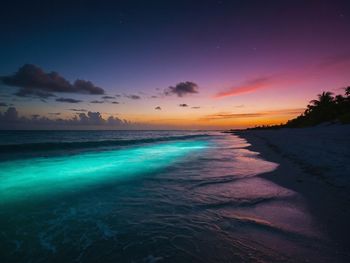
{"points": [[148, 196]]}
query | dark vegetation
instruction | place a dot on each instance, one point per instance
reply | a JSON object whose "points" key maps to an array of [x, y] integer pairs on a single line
{"points": [[326, 108]]}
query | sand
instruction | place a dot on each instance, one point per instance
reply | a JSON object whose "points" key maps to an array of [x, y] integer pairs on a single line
{"points": [[315, 162]]}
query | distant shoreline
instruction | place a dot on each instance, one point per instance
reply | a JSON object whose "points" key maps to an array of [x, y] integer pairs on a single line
{"points": [[328, 198]]}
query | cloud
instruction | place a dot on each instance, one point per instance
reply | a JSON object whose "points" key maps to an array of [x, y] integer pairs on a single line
{"points": [[54, 113], [335, 61], [331, 65], [115, 102], [95, 118], [80, 110], [2, 104], [182, 89], [108, 97], [86, 87], [224, 115], [183, 105], [10, 115], [68, 100], [158, 108], [35, 82], [247, 87], [97, 101], [11, 119], [233, 115], [195, 107], [91, 118], [33, 93], [133, 97]]}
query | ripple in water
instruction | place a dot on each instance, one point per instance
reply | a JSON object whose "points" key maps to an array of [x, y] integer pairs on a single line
{"points": [[195, 200]]}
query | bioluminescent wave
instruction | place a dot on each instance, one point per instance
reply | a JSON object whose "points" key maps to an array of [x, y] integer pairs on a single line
{"points": [[23, 179], [155, 196], [71, 145]]}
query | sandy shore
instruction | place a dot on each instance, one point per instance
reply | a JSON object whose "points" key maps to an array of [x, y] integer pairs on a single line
{"points": [[314, 162]]}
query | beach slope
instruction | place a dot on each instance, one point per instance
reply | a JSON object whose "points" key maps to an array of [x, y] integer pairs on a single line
{"points": [[314, 162]]}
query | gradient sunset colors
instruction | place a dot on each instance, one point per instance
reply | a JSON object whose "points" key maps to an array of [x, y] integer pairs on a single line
{"points": [[168, 64]]}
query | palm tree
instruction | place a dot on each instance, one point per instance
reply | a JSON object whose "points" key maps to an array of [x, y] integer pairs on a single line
{"points": [[323, 109], [309, 109], [339, 99], [326, 108], [325, 98], [347, 91]]}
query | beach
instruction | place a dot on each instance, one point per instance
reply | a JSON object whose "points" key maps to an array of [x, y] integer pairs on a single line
{"points": [[313, 162], [175, 131]]}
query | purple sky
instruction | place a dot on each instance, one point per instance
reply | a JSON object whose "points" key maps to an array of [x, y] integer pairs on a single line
{"points": [[252, 62]]}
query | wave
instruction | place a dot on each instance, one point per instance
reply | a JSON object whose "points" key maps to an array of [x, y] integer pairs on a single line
{"points": [[52, 146]]}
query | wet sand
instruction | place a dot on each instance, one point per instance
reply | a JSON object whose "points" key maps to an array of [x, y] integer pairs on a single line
{"points": [[314, 162]]}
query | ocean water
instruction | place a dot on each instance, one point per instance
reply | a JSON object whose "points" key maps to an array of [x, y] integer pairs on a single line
{"points": [[147, 196]]}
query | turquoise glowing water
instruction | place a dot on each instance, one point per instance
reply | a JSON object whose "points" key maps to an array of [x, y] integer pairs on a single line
{"points": [[26, 179], [147, 196]]}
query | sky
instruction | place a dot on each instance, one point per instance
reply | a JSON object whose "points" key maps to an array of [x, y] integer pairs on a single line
{"points": [[168, 64]]}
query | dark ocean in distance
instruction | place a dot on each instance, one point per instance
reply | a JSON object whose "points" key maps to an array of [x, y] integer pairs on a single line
{"points": [[147, 196]]}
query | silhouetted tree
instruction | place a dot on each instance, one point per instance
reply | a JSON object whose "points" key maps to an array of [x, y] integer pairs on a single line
{"points": [[325, 98], [339, 99], [326, 108], [347, 91]]}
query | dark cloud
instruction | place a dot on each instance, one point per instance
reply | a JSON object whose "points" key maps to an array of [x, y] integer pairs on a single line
{"points": [[54, 113], [35, 82], [108, 97], [158, 108], [10, 115], [97, 101], [115, 102], [154, 97], [80, 110], [91, 118], [133, 97], [33, 93], [196, 107], [11, 119], [183, 105], [68, 100], [182, 89], [118, 95], [2, 104], [87, 87], [115, 121]]}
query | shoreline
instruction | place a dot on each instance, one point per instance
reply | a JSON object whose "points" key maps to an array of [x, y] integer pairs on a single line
{"points": [[328, 202]]}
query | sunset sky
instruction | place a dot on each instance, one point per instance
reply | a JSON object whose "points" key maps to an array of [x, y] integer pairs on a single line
{"points": [[168, 64]]}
